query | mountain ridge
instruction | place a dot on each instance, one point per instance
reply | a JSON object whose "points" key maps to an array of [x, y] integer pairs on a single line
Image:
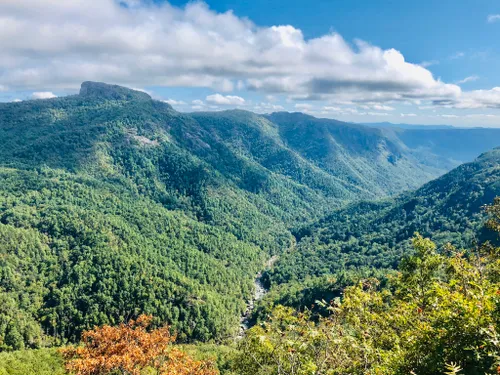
{"points": [[376, 234], [121, 205]]}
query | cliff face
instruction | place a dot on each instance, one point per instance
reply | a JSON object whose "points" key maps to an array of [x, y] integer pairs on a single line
{"points": [[111, 92]]}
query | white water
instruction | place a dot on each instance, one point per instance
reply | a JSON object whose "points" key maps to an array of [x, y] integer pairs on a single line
{"points": [[259, 293]]}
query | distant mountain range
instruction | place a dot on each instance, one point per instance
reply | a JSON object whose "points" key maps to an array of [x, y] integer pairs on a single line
{"points": [[407, 126]]}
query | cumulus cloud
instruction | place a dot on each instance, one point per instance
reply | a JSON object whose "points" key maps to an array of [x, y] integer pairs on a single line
{"points": [[174, 102], [43, 95], [58, 44], [493, 18], [475, 99], [225, 100]]}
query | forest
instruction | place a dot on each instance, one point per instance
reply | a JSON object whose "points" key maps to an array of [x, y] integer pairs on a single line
{"points": [[119, 214]]}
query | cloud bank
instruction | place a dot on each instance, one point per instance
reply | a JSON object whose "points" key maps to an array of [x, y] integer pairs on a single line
{"points": [[58, 44]]}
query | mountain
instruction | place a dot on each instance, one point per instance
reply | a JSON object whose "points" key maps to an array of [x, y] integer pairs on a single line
{"points": [[456, 145], [416, 152], [386, 124], [442, 146], [365, 158], [113, 204], [376, 234]]}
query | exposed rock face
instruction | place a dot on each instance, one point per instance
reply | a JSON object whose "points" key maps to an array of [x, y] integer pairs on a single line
{"points": [[111, 92]]}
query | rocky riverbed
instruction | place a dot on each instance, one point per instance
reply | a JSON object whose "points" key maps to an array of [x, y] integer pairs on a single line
{"points": [[259, 293]]}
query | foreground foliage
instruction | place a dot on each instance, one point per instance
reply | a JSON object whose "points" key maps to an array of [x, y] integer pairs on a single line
{"points": [[132, 349], [32, 362], [441, 312], [438, 314]]}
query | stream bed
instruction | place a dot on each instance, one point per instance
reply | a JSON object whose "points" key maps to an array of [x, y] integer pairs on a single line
{"points": [[259, 292]]}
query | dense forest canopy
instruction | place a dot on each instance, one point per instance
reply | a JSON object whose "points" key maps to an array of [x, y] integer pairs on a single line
{"points": [[439, 314], [376, 234], [113, 204]]}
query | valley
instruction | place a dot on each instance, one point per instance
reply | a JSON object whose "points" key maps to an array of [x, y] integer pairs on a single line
{"points": [[114, 205], [259, 292]]}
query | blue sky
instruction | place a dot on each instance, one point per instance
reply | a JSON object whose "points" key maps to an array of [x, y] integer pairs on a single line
{"points": [[422, 62], [424, 30]]}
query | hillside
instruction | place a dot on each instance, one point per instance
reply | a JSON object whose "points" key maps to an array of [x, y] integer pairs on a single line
{"points": [[364, 157], [377, 234], [113, 204]]}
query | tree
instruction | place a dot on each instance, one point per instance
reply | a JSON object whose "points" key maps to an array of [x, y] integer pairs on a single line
{"points": [[494, 213], [438, 315], [131, 349]]}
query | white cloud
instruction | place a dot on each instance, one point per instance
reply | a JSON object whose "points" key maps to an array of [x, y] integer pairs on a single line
{"points": [[332, 109], [474, 99], [225, 100], [17, 100], [408, 115], [267, 108], [142, 90], [377, 114], [380, 107], [198, 102], [482, 115], [174, 102], [304, 106], [352, 111], [54, 44], [43, 95], [468, 79], [493, 18], [426, 64]]}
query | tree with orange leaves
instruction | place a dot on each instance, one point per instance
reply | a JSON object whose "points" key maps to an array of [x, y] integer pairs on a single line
{"points": [[130, 349]]}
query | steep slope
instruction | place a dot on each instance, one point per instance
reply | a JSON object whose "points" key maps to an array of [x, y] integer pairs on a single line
{"points": [[376, 234], [365, 158], [442, 146], [113, 204], [104, 215], [76, 251]]}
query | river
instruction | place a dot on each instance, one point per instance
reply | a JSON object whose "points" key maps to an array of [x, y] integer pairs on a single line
{"points": [[258, 294]]}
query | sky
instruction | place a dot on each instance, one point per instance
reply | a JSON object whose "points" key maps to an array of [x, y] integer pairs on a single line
{"points": [[416, 62]]}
